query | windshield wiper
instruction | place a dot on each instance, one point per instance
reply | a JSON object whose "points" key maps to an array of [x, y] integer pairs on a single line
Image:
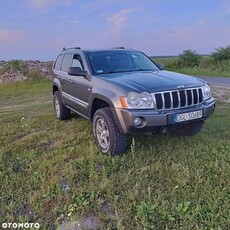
{"points": [[119, 71], [110, 71], [132, 70], [144, 70]]}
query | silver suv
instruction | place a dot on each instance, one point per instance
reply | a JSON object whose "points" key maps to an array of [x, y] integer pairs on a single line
{"points": [[123, 92]]}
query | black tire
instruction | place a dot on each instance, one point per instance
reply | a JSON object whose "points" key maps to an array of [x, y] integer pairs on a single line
{"points": [[106, 133], [188, 129], [61, 112]]}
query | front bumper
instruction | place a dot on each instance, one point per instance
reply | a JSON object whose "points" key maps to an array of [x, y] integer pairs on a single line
{"points": [[152, 120]]}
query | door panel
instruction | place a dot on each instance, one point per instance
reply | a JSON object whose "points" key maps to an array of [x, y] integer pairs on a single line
{"points": [[81, 90], [77, 88]]}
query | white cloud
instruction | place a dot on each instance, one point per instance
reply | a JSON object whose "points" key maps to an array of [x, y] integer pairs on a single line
{"points": [[202, 40], [64, 16], [75, 22], [94, 5], [40, 4], [120, 20], [8, 36], [225, 7]]}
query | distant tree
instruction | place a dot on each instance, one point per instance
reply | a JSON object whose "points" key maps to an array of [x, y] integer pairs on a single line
{"points": [[221, 54], [189, 58]]}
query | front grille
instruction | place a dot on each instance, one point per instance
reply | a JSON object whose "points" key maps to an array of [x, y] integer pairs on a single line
{"points": [[176, 99]]}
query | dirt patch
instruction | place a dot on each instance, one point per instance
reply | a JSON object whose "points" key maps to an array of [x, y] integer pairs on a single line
{"points": [[85, 222], [25, 104], [25, 210], [222, 95]]}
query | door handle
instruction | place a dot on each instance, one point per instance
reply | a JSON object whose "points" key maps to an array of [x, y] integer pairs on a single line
{"points": [[69, 80]]}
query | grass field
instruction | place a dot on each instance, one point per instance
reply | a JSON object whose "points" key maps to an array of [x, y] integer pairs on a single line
{"points": [[207, 67], [53, 174]]}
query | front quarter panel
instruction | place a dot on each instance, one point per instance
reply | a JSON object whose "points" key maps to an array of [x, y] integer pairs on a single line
{"points": [[111, 98]]}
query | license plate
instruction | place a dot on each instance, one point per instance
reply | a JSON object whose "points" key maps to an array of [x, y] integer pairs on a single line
{"points": [[187, 116]]}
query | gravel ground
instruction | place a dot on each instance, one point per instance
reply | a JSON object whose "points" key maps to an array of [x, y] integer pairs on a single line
{"points": [[217, 81], [220, 88]]}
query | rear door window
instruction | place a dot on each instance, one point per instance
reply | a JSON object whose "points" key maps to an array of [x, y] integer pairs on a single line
{"points": [[66, 62], [58, 62]]}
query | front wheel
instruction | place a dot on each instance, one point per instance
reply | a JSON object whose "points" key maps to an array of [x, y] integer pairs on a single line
{"points": [[106, 133]]}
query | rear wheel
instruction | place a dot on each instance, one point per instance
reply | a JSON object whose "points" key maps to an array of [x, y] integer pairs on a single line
{"points": [[106, 133], [189, 129], [62, 112]]}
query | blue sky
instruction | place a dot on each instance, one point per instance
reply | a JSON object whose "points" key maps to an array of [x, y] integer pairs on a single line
{"points": [[38, 29]]}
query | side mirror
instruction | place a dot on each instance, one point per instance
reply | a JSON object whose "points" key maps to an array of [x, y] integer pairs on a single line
{"points": [[77, 71], [161, 66]]}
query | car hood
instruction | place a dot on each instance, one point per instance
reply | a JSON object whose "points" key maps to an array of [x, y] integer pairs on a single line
{"points": [[152, 81]]}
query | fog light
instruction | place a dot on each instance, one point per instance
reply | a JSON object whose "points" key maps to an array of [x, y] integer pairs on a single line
{"points": [[137, 121]]}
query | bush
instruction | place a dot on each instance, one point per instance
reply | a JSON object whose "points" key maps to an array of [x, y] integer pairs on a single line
{"points": [[189, 58], [172, 64], [15, 65], [207, 63], [221, 54], [34, 75]]}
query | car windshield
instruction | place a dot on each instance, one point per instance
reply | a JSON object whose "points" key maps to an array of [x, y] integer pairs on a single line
{"points": [[105, 62]]}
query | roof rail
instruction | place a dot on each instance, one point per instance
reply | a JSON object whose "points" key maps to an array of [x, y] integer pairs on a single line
{"points": [[120, 47], [77, 48]]}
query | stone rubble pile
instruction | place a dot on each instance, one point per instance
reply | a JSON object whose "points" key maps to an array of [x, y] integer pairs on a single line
{"points": [[10, 74]]}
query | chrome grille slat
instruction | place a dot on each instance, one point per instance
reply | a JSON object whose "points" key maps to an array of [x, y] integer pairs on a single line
{"points": [[192, 97], [176, 99], [163, 100], [171, 99], [186, 98]]}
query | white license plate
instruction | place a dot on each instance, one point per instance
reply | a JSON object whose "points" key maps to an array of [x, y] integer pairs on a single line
{"points": [[187, 116]]}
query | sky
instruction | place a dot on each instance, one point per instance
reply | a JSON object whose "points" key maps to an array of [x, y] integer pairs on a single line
{"points": [[39, 29]]}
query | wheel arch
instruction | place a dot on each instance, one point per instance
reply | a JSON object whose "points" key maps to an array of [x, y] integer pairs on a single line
{"points": [[55, 89], [56, 85], [99, 101]]}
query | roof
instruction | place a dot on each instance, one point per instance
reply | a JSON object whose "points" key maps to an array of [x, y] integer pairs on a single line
{"points": [[96, 50]]}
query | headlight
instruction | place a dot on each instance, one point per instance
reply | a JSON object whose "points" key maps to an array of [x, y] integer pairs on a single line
{"points": [[137, 101], [207, 93]]}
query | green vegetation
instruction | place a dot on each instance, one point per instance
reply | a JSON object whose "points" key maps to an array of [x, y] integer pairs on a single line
{"points": [[221, 54], [189, 58], [191, 63], [51, 171], [34, 75], [15, 65]]}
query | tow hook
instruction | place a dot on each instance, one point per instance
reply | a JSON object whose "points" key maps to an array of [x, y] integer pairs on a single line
{"points": [[164, 130]]}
